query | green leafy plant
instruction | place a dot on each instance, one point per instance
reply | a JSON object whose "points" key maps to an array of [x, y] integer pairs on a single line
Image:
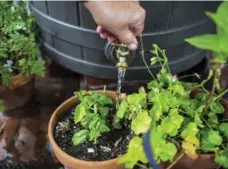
{"points": [[178, 118], [91, 113], [19, 52], [216, 43]]}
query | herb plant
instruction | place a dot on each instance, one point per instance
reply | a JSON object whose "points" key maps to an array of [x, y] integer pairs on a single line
{"points": [[19, 52], [178, 119], [91, 113]]}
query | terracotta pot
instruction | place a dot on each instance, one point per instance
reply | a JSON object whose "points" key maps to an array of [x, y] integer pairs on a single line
{"points": [[203, 161], [18, 93], [68, 161]]}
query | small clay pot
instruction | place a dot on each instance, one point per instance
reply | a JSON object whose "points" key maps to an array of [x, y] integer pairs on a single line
{"points": [[203, 161], [68, 161], [18, 93]]}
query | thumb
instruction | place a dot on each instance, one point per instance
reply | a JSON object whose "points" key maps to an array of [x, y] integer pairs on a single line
{"points": [[128, 38]]}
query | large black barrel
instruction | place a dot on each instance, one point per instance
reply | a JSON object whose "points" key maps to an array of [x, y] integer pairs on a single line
{"points": [[69, 37]]}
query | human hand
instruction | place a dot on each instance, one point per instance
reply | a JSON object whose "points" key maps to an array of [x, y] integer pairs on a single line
{"points": [[121, 21]]}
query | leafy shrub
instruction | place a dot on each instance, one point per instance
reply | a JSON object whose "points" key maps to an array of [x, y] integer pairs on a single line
{"points": [[19, 52]]}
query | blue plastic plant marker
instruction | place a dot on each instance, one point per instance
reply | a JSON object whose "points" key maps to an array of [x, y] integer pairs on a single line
{"points": [[148, 151]]}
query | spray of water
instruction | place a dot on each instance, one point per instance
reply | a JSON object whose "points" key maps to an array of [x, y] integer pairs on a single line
{"points": [[121, 76]]}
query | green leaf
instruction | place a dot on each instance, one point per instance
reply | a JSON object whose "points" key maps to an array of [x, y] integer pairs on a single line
{"points": [[156, 112], [80, 112], [222, 158], [94, 121], [80, 94], [224, 128], [178, 88], [198, 121], [104, 128], [80, 137], [222, 9], [191, 129], [122, 109], [215, 43], [103, 111], [152, 84], [172, 123], [164, 151], [214, 137], [141, 123], [217, 108], [220, 21], [103, 99], [206, 145], [213, 121], [86, 121], [137, 99], [134, 153], [201, 97], [93, 135], [170, 151], [210, 139]]}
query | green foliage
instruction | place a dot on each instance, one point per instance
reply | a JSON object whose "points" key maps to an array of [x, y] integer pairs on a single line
{"points": [[178, 119], [141, 123], [134, 154], [91, 113], [80, 137], [222, 158], [217, 43], [163, 150], [224, 129], [19, 52]]}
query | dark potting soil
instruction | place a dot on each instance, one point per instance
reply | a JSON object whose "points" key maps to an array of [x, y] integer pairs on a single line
{"points": [[110, 145]]}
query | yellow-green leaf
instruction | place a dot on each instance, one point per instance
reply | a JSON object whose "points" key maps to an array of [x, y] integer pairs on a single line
{"points": [[79, 113], [141, 123]]}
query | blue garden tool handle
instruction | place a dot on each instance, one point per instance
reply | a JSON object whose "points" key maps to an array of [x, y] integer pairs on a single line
{"points": [[148, 150]]}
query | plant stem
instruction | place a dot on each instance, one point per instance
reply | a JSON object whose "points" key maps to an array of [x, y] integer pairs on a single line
{"points": [[143, 57], [142, 166], [206, 123], [221, 94], [177, 159]]}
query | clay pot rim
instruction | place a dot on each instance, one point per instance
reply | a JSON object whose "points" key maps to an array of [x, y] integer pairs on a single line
{"points": [[17, 80], [51, 126]]}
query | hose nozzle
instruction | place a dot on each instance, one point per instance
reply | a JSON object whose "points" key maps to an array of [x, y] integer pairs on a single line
{"points": [[122, 55]]}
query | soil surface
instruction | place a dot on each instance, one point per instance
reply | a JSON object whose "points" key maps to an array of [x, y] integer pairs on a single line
{"points": [[110, 145]]}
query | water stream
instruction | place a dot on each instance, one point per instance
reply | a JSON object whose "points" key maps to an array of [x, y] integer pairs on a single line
{"points": [[121, 76]]}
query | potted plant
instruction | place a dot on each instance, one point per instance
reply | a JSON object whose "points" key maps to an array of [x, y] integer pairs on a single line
{"points": [[187, 124], [19, 54], [84, 134], [183, 117]]}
